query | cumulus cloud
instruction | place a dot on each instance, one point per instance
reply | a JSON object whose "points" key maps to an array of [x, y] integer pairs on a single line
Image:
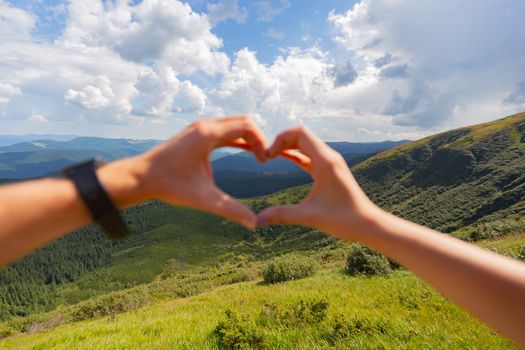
{"points": [[115, 62], [344, 73], [445, 57], [267, 10], [15, 24], [280, 94], [37, 118], [151, 30], [97, 95], [274, 34], [226, 9], [6, 91], [400, 69]]}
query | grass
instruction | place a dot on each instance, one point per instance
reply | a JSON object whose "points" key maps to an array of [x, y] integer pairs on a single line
{"points": [[412, 317], [508, 245]]}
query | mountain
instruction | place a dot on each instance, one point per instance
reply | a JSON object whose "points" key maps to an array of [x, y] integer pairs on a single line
{"points": [[244, 161], [44, 157], [82, 143], [6, 140], [466, 179], [245, 184], [23, 165], [364, 147], [454, 179]]}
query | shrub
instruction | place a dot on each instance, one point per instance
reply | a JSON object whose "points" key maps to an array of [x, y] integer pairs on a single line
{"points": [[302, 312], [365, 261], [110, 304], [521, 252], [348, 328], [6, 331], [237, 333], [288, 267]]}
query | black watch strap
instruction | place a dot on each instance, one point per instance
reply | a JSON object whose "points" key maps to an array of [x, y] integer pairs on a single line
{"points": [[104, 211]]}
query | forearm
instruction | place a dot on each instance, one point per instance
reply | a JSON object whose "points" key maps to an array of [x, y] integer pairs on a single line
{"points": [[37, 212], [488, 285]]}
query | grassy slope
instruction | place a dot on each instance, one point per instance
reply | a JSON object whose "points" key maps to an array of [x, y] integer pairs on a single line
{"points": [[413, 316], [453, 179], [192, 237]]}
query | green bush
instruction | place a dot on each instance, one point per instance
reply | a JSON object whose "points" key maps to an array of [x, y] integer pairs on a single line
{"points": [[110, 304], [237, 333], [289, 267], [301, 312], [365, 261], [6, 331], [521, 253], [349, 328]]}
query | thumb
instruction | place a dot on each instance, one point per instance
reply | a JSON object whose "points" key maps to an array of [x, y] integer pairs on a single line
{"points": [[282, 214], [222, 204]]}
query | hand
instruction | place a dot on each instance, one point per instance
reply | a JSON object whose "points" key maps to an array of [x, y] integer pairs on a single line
{"points": [[336, 203], [179, 170]]}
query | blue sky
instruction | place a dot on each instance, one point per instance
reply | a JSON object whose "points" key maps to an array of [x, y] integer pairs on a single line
{"points": [[361, 71]]}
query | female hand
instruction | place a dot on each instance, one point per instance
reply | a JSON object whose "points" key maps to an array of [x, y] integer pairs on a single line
{"points": [[179, 170], [336, 203]]}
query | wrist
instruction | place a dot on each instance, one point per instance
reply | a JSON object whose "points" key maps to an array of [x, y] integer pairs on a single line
{"points": [[364, 222], [123, 180]]}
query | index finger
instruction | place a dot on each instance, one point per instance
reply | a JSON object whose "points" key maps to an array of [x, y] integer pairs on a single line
{"points": [[232, 129], [298, 138]]}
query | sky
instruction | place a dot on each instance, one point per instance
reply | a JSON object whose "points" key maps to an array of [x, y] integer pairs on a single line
{"points": [[363, 70]]}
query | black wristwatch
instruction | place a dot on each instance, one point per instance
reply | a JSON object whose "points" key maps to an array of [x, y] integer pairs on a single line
{"points": [[105, 213]]}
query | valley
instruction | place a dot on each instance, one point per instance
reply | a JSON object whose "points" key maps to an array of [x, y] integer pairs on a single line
{"points": [[182, 270]]}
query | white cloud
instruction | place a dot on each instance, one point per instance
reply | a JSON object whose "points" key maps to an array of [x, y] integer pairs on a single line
{"points": [[37, 118], [114, 63], [401, 69], [274, 34], [97, 95], [226, 9], [151, 30], [444, 57], [267, 10], [15, 24], [6, 91], [280, 94]]}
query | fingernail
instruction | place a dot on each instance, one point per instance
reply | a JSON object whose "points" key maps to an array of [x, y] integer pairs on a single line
{"points": [[262, 222]]}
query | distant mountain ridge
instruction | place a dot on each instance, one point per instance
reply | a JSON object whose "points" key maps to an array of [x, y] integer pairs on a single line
{"points": [[245, 161], [7, 140], [238, 173], [81, 143]]}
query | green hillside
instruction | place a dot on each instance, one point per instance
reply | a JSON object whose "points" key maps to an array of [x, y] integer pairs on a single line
{"points": [[469, 182], [454, 179], [328, 310]]}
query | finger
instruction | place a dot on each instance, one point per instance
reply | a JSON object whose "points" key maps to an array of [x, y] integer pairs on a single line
{"points": [[239, 143], [242, 127], [219, 203], [283, 214], [298, 158], [297, 138]]}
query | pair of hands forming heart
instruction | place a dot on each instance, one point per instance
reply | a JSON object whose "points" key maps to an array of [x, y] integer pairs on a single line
{"points": [[179, 172]]}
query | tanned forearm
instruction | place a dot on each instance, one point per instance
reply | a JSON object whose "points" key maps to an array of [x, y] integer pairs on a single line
{"points": [[37, 212], [488, 285], [178, 171]]}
